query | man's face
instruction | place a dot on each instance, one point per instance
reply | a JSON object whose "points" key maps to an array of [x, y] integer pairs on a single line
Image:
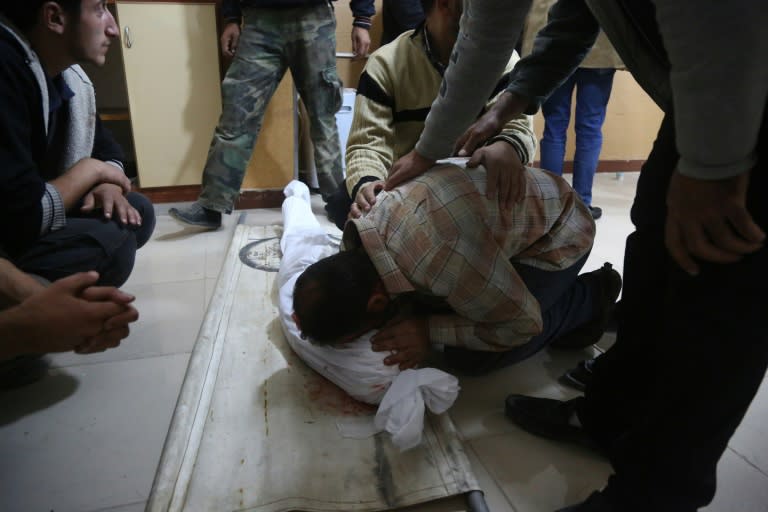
{"points": [[91, 34]]}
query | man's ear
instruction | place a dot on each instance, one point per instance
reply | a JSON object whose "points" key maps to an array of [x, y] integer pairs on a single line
{"points": [[55, 18], [378, 301], [296, 319]]}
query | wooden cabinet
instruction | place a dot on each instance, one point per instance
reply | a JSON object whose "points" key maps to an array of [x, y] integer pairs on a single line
{"points": [[160, 94], [171, 67]]}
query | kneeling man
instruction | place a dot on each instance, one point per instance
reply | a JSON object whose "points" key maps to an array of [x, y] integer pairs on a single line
{"points": [[435, 261]]}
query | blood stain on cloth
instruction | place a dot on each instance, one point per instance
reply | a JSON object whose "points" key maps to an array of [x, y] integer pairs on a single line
{"points": [[328, 397]]}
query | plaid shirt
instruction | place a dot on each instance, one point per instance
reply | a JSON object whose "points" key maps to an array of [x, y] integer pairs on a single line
{"points": [[437, 235]]}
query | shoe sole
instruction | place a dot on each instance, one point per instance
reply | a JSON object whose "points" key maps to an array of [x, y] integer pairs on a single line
{"points": [[207, 225]]}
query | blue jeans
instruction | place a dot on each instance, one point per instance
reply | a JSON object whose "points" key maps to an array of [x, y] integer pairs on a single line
{"points": [[566, 302], [593, 88], [90, 242]]}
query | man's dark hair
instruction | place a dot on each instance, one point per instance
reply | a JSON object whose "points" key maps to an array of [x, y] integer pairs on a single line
{"points": [[24, 13], [330, 297]]}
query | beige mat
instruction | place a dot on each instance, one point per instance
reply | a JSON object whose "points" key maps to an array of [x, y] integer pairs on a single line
{"points": [[255, 429]]}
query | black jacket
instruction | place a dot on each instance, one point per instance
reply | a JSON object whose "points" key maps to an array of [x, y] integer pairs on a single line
{"points": [[25, 154]]}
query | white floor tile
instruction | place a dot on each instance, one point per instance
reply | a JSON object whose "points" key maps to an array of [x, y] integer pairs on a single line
{"points": [[132, 507], [94, 446], [751, 438], [210, 286], [479, 410], [537, 475], [174, 253], [741, 486]]}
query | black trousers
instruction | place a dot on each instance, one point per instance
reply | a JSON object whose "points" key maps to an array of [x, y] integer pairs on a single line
{"points": [[690, 354], [91, 242]]}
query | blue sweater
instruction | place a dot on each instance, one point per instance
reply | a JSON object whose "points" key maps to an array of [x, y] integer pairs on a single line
{"points": [[231, 10]]}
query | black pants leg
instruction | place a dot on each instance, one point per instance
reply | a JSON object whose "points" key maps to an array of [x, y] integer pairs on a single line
{"points": [[690, 354], [91, 243]]}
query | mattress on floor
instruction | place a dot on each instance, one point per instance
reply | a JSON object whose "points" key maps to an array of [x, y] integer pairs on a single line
{"points": [[255, 429]]}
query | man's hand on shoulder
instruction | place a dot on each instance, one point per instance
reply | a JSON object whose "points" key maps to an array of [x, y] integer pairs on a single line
{"points": [[365, 198], [508, 106], [505, 172], [407, 167], [708, 220]]}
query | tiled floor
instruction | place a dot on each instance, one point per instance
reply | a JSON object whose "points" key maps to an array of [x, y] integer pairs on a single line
{"points": [[89, 436]]}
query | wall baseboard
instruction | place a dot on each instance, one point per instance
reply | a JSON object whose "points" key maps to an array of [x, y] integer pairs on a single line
{"points": [[274, 198], [248, 198], [606, 165]]}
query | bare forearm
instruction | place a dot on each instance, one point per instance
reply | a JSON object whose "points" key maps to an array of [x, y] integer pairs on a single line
{"points": [[77, 181], [15, 285], [14, 334]]}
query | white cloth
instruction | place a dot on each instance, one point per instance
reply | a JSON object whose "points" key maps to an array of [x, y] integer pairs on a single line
{"points": [[354, 367]]}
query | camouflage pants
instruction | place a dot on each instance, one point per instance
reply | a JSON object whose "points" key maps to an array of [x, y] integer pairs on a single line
{"points": [[302, 39]]}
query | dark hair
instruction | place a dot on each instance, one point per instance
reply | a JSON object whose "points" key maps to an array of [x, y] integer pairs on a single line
{"points": [[330, 297], [426, 6], [24, 13]]}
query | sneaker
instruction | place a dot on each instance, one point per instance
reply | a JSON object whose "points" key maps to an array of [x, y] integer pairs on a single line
{"points": [[197, 215], [22, 371], [596, 212], [547, 418], [578, 378], [607, 284]]}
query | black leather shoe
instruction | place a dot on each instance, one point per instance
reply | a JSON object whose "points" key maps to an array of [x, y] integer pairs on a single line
{"points": [[547, 418], [606, 283], [197, 215], [596, 212], [595, 503], [578, 377]]}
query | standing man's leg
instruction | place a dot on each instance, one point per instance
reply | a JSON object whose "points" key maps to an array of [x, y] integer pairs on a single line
{"points": [[593, 89], [251, 80], [557, 115], [312, 60], [690, 355]]}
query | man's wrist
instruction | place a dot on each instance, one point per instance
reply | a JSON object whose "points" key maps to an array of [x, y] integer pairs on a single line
{"points": [[510, 104], [361, 182], [362, 22], [510, 140], [14, 334]]}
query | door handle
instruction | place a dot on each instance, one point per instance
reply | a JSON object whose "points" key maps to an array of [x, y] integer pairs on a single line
{"points": [[127, 37]]}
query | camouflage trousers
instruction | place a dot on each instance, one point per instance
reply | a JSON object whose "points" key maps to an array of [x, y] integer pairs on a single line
{"points": [[302, 39]]}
